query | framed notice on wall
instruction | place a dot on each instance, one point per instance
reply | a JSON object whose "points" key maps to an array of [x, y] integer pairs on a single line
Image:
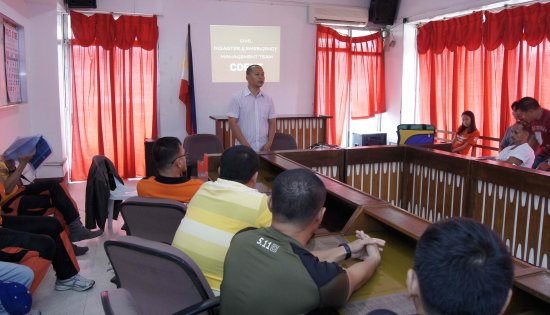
{"points": [[13, 87], [12, 57], [3, 86]]}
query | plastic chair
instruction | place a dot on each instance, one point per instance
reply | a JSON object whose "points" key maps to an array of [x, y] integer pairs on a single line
{"points": [[283, 141], [160, 278], [120, 193], [154, 219], [196, 146]]}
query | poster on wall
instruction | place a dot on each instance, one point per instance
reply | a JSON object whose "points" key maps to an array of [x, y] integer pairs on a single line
{"points": [[11, 50], [3, 92], [234, 48]]}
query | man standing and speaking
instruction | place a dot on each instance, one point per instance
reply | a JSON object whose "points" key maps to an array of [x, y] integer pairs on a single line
{"points": [[251, 113]]}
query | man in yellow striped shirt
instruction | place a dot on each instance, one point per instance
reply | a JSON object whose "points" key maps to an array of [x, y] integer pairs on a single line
{"points": [[220, 209]]}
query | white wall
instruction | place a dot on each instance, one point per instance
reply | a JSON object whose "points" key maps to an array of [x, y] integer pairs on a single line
{"points": [[293, 94], [15, 120]]}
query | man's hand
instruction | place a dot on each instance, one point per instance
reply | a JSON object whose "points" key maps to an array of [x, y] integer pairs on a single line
{"points": [[364, 245], [544, 166], [266, 147], [25, 159]]}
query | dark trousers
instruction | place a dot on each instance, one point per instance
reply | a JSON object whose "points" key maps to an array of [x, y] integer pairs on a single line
{"points": [[39, 234], [37, 198]]}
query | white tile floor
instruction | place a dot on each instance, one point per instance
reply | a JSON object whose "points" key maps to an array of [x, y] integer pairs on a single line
{"points": [[93, 265]]}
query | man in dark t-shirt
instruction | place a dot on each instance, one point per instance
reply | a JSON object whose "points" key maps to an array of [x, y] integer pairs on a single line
{"points": [[528, 109], [269, 271]]}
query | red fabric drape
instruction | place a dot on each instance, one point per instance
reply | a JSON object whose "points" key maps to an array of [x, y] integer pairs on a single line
{"points": [[468, 64], [349, 71], [114, 65]]}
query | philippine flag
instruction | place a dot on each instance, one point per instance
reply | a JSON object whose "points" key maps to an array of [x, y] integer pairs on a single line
{"points": [[187, 87]]}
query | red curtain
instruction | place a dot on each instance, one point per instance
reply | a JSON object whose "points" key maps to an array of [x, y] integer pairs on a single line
{"points": [[114, 68], [483, 66], [349, 74]]}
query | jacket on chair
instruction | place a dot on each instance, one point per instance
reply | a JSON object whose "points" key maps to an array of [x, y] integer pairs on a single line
{"points": [[100, 182]]}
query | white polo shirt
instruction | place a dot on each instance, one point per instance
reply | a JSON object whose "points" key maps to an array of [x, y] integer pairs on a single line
{"points": [[252, 113], [522, 152]]}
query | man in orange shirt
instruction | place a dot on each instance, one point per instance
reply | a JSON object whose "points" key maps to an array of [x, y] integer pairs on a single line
{"points": [[171, 182]]}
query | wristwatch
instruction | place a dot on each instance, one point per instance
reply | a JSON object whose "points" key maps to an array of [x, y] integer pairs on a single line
{"points": [[348, 250]]}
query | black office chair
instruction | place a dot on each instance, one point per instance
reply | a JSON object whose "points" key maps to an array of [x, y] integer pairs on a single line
{"points": [[157, 279], [196, 146], [283, 141], [155, 219]]}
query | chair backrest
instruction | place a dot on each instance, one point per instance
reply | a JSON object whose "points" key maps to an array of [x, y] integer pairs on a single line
{"points": [[196, 145], [153, 218], [161, 278], [283, 141]]}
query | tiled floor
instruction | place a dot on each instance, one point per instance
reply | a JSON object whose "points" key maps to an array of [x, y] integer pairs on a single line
{"points": [[93, 265]]}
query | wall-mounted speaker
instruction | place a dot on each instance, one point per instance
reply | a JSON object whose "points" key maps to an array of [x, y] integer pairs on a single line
{"points": [[383, 12], [81, 4]]}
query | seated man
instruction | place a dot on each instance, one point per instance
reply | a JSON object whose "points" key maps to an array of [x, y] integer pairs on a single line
{"points": [[506, 139], [36, 199], [220, 209], [460, 267], [43, 235], [269, 271], [171, 182], [519, 152]]}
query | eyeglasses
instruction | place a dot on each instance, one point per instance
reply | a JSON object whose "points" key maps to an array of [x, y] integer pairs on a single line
{"points": [[179, 157]]}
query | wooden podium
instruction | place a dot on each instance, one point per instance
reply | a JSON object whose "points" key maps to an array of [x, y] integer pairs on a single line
{"points": [[306, 129]]}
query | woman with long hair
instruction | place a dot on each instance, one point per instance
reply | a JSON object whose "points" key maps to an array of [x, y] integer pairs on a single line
{"points": [[466, 135]]}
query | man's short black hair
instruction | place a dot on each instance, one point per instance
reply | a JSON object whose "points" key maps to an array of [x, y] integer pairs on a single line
{"points": [[239, 164], [297, 196], [525, 104], [250, 68], [165, 150], [462, 268]]}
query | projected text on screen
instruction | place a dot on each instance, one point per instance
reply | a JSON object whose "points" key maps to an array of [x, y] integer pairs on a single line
{"points": [[234, 48]]}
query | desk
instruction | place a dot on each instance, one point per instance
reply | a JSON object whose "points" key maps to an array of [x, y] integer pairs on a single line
{"points": [[432, 185], [388, 281]]}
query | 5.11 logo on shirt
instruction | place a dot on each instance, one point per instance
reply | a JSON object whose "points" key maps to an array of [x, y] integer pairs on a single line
{"points": [[269, 245]]}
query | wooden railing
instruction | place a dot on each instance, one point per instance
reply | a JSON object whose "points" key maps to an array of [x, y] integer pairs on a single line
{"points": [[306, 129], [487, 143]]}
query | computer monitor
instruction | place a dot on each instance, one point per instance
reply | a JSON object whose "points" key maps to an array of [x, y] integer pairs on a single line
{"points": [[369, 139]]}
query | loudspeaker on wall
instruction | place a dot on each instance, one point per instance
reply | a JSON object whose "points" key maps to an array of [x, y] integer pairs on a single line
{"points": [[383, 12]]}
